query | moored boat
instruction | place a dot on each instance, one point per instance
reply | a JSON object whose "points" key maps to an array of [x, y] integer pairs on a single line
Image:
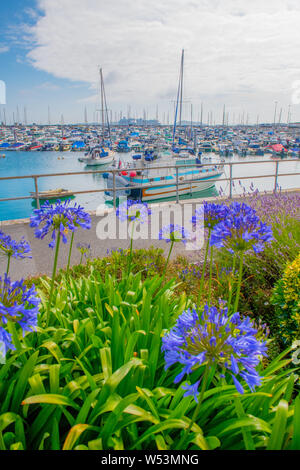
{"points": [[98, 156], [53, 194], [160, 182]]}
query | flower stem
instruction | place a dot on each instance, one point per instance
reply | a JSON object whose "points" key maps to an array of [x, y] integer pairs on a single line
{"points": [[203, 268], [53, 277], [236, 303], [8, 264], [231, 284], [167, 262], [70, 252], [130, 251], [210, 274], [197, 409]]}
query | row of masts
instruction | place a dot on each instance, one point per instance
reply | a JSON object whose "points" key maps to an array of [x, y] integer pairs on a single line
{"points": [[199, 118], [243, 118]]}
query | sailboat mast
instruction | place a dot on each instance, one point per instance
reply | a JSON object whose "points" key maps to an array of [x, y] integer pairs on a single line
{"points": [[102, 103], [181, 85], [179, 98]]}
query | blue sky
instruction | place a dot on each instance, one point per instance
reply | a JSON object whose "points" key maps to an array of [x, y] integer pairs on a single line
{"points": [[238, 53], [26, 86]]}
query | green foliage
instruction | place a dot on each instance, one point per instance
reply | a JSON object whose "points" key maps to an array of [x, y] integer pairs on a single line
{"points": [[149, 262], [286, 299], [94, 379], [261, 272], [92, 376]]}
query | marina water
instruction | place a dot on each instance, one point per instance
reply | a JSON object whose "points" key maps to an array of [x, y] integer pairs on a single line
{"points": [[18, 163]]}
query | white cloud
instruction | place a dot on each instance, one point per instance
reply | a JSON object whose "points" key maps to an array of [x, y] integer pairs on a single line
{"points": [[3, 49], [244, 53], [48, 86]]}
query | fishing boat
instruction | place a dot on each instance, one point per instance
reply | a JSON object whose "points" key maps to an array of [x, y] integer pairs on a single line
{"points": [[160, 182]]}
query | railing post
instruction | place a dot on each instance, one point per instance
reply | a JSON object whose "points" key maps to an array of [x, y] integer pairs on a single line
{"points": [[230, 183], [36, 192], [114, 189], [177, 193], [276, 176]]}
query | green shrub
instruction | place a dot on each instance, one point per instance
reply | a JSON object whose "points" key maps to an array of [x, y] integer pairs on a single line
{"points": [[286, 299]]}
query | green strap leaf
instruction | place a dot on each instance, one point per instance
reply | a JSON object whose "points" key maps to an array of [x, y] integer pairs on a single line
{"points": [[50, 398], [279, 426]]}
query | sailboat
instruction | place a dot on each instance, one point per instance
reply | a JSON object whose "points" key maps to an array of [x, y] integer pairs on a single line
{"points": [[186, 176], [100, 155]]}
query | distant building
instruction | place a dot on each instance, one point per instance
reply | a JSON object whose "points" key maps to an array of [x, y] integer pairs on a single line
{"points": [[138, 122]]}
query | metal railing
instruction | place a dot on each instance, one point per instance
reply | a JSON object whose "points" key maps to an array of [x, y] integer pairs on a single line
{"points": [[116, 171]]}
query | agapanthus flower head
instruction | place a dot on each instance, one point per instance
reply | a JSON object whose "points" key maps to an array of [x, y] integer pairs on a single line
{"points": [[214, 337], [10, 247], [209, 214], [84, 249], [59, 218], [133, 211], [5, 344], [241, 230], [18, 304], [174, 233]]}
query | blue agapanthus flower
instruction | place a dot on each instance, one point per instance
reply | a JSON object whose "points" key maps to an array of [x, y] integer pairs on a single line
{"points": [[133, 211], [174, 233], [241, 230], [59, 218], [84, 249], [5, 343], [210, 214], [12, 248], [214, 337], [18, 304]]}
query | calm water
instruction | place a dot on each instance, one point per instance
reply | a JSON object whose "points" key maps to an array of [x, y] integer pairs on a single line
{"points": [[29, 163]]}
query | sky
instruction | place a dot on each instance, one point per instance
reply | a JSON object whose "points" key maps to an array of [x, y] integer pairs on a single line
{"points": [[241, 54]]}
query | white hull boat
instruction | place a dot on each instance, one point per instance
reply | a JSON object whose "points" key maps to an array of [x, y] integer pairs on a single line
{"points": [[98, 156]]}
